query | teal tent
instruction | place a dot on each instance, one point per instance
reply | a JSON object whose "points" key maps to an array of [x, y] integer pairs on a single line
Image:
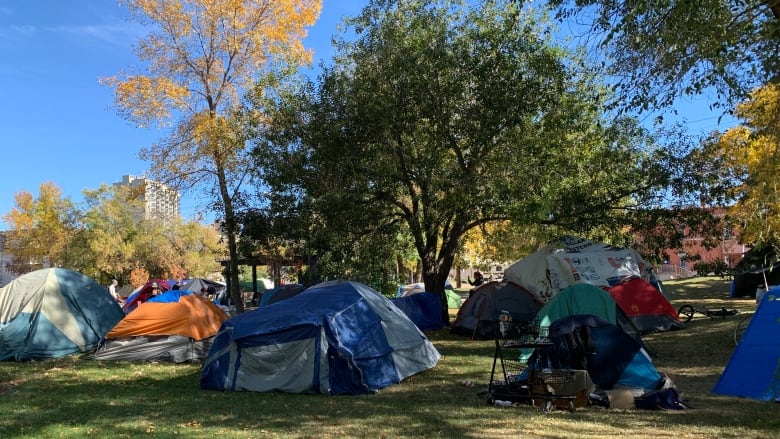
{"points": [[589, 300], [54, 312]]}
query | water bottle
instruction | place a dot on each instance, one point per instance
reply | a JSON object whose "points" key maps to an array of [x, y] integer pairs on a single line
{"points": [[504, 323]]}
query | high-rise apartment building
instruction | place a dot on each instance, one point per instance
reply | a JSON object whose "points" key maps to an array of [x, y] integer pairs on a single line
{"points": [[157, 200], [5, 259]]}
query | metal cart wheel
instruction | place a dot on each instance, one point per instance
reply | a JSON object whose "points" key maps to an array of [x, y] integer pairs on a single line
{"points": [[686, 313]]}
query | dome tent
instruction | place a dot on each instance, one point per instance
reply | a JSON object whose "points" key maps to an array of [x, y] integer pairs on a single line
{"points": [[143, 293], [54, 312], [337, 337], [176, 326], [478, 316], [645, 306]]}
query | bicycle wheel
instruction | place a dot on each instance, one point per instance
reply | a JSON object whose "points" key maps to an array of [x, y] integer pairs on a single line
{"points": [[739, 329], [686, 313]]}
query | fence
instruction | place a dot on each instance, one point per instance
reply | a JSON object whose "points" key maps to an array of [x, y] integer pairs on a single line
{"points": [[668, 271]]}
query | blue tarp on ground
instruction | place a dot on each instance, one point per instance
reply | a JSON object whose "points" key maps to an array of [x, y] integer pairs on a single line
{"points": [[424, 309], [338, 337]]}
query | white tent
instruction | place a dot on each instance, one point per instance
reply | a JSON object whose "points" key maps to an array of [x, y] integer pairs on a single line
{"points": [[571, 260]]}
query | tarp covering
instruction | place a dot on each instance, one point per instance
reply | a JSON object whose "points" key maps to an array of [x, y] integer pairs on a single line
{"points": [[645, 306], [53, 312], [338, 337], [175, 326], [196, 284], [571, 260], [753, 371], [746, 283], [424, 309], [611, 357]]}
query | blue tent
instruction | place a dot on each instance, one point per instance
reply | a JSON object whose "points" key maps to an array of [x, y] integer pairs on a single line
{"points": [[611, 357], [280, 293], [753, 371], [338, 337], [424, 309], [54, 312]]}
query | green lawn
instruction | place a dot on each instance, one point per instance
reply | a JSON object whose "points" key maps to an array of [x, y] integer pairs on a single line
{"points": [[74, 398]]}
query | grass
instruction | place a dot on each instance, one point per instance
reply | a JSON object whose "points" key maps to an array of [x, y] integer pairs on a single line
{"points": [[74, 398]]}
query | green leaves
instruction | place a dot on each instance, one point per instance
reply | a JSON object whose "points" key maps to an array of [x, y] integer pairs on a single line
{"points": [[660, 50], [438, 118]]}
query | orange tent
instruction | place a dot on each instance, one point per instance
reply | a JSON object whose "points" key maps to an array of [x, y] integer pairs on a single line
{"points": [[192, 316], [175, 326]]}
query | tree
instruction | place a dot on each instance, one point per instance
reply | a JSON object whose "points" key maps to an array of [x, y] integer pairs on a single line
{"points": [[110, 235], [749, 156], [201, 56], [438, 119], [41, 229], [660, 50]]}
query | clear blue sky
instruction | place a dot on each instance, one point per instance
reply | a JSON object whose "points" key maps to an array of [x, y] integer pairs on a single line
{"points": [[56, 123]]}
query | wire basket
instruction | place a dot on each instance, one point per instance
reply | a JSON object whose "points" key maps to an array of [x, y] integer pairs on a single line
{"points": [[513, 333], [551, 376]]}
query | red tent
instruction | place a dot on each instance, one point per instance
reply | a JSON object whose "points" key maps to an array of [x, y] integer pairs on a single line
{"points": [[142, 294], [645, 306]]}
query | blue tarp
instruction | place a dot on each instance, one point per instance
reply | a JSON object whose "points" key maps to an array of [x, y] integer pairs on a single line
{"points": [[611, 357], [170, 296]]}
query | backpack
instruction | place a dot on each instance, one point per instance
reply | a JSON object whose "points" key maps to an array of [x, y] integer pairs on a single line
{"points": [[664, 399]]}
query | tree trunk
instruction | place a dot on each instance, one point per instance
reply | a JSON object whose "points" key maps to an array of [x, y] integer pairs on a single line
{"points": [[231, 230], [435, 272]]}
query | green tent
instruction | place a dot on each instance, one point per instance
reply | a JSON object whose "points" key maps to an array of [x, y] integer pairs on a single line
{"points": [[585, 299], [453, 299]]}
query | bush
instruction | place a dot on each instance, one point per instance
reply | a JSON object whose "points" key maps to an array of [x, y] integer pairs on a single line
{"points": [[717, 268]]}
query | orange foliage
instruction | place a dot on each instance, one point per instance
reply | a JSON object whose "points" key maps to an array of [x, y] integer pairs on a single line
{"points": [[138, 276]]}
